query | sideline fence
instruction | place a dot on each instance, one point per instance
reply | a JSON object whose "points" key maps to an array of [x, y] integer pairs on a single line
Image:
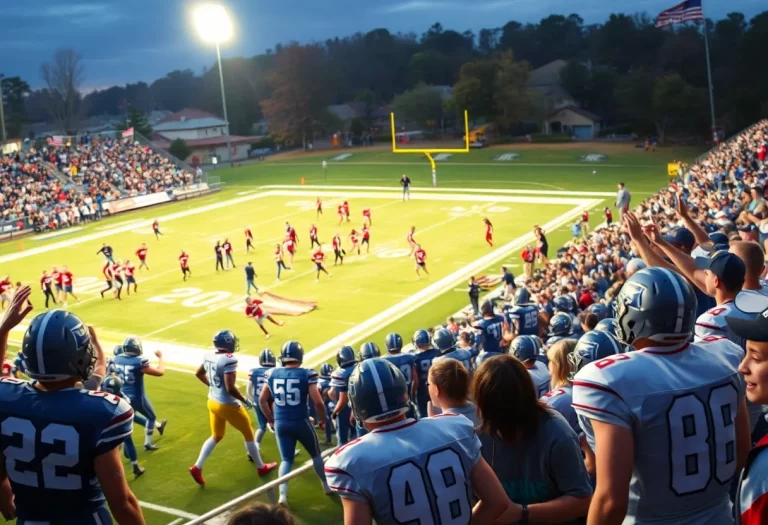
{"points": [[257, 491]]}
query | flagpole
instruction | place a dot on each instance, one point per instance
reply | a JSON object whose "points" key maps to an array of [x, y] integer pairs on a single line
{"points": [[709, 78]]}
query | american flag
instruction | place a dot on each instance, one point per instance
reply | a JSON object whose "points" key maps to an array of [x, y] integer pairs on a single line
{"points": [[688, 11]]}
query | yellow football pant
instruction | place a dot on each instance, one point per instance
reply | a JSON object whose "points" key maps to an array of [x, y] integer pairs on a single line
{"points": [[235, 414]]}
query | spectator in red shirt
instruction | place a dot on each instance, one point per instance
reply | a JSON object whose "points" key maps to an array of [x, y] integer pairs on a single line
{"points": [[528, 256]]}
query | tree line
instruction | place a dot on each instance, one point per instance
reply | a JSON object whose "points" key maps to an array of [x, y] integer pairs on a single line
{"points": [[632, 74]]}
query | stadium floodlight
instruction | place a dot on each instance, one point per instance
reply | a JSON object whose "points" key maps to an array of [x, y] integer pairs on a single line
{"points": [[214, 26]]}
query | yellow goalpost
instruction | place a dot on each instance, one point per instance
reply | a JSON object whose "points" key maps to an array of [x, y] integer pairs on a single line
{"points": [[429, 151]]}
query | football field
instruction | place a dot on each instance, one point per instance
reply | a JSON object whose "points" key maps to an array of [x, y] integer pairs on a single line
{"points": [[369, 295]]}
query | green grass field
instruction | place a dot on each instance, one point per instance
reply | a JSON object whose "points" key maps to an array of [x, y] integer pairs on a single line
{"points": [[370, 295]]}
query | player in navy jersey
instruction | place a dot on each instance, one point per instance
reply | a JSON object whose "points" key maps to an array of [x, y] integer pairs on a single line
{"points": [[284, 402], [324, 385], [423, 357], [406, 363], [131, 366], [493, 328], [258, 379], [523, 315], [525, 350], [560, 327], [61, 443], [345, 358], [367, 351], [114, 386], [443, 340]]}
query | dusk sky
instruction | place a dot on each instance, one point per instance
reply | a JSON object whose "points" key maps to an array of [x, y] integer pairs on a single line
{"points": [[132, 40]]}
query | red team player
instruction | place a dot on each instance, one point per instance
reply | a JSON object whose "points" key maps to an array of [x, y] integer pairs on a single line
{"points": [[584, 223], [129, 270], [5, 291], [488, 232], [253, 309], [319, 207], [608, 216], [340, 212], [184, 263], [421, 261], [109, 276], [354, 238], [290, 247], [411, 240], [248, 240], [367, 216], [141, 253], [346, 210], [66, 284], [156, 229], [318, 257], [338, 251], [366, 239], [313, 237]]}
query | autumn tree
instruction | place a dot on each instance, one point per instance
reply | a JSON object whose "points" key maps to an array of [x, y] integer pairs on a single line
{"points": [[64, 77]]}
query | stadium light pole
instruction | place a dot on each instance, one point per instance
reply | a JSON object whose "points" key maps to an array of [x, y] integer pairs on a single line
{"points": [[214, 26]]}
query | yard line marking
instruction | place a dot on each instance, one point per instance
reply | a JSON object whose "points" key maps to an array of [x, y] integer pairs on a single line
{"points": [[455, 164], [312, 187], [168, 510], [176, 521]]}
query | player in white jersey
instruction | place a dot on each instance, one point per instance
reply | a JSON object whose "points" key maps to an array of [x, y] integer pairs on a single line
{"points": [[525, 349], [225, 404], [667, 422], [408, 471]]}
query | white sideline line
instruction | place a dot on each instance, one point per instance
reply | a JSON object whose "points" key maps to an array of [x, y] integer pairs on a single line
{"points": [[176, 521], [169, 510], [399, 191]]}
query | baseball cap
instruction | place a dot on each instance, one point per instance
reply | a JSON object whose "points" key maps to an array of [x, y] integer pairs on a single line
{"points": [[729, 268], [681, 236], [718, 238], [747, 227], [755, 329]]}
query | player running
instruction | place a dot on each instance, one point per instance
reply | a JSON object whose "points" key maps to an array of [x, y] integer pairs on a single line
{"points": [[227, 247], [667, 418], [106, 250], [248, 240], [56, 276], [345, 358], [258, 379], [318, 257], [129, 270], [411, 240], [131, 367], [340, 212], [408, 471], [338, 251], [253, 309], [114, 386], [72, 470], [318, 207], [156, 229], [346, 210], [46, 285], [488, 232], [366, 239], [280, 260], [108, 276], [354, 239], [67, 281], [367, 217], [290, 247], [184, 264], [141, 253], [424, 354], [313, 237], [420, 256], [117, 275], [284, 402], [225, 404]]}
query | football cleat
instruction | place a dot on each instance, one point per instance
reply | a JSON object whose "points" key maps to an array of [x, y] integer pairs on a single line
{"points": [[197, 475], [149, 447], [161, 426], [138, 471], [267, 468]]}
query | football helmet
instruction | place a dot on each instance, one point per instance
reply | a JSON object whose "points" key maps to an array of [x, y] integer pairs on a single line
{"points": [[656, 304], [118, 350], [565, 303], [420, 339], [537, 341], [226, 341], [601, 311], [486, 308], [267, 358], [326, 369], [522, 296], [113, 385], [378, 391], [369, 351], [606, 325], [394, 343], [524, 348], [560, 324], [57, 346], [292, 352], [593, 346], [443, 340], [345, 356], [132, 346]]}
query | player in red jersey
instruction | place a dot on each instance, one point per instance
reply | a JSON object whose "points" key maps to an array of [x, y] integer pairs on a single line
{"points": [[117, 272], [227, 247], [366, 239], [184, 263], [254, 310], [56, 276], [421, 261], [7, 368], [318, 257], [338, 251], [411, 239], [156, 229], [488, 231], [585, 224], [6, 289], [248, 240], [354, 238], [290, 233], [290, 247], [279, 260], [67, 283], [141, 253], [319, 207], [313, 237], [46, 285], [129, 270], [608, 215], [367, 216], [346, 210], [340, 212]]}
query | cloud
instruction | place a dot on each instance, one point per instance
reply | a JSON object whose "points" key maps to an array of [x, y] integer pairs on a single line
{"points": [[73, 12]]}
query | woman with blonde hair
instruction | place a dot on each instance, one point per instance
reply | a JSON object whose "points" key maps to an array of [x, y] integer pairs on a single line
{"points": [[448, 385], [560, 395]]}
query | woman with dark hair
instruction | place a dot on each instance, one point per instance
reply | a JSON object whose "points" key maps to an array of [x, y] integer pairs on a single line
{"points": [[448, 388], [262, 514], [531, 448]]}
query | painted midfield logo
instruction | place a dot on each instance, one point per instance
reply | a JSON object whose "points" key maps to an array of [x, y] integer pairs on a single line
{"points": [[593, 157], [506, 157]]}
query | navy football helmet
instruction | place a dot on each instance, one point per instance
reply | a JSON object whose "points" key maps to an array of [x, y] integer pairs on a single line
{"points": [[113, 385], [537, 341], [606, 325], [132, 346], [601, 311], [292, 352], [420, 339], [226, 341], [565, 303], [394, 343], [57, 346], [118, 350], [656, 304], [522, 296], [345, 356], [487, 307], [593, 346], [443, 340], [267, 358], [326, 370], [369, 351], [560, 324], [378, 391], [524, 348]]}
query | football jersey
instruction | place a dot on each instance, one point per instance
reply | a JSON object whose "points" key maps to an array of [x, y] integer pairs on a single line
{"points": [[290, 392], [404, 363], [555, 338], [423, 360], [258, 377], [130, 369], [463, 356], [526, 318], [340, 378], [492, 330], [410, 471], [680, 405], [50, 441], [540, 376], [712, 323], [217, 365], [482, 356], [561, 399]]}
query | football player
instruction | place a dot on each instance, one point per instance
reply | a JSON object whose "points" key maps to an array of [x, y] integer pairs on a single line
{"points": [[406, 363], [114, 386], [523, 315], [324, 385], [367, 351], [225, 404], [408, 471], [488, 231], [560, 327], [318, 257], [345, 358], [524, 348], [494, 329], [258, 378], [420, 256], [606, 325], [668, 422], [443, 340], [84, 428], [423, 357], [131, 367], [284, 402]]}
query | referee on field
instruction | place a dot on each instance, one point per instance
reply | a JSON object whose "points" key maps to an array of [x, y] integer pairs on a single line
{"points": [[405, 182]]}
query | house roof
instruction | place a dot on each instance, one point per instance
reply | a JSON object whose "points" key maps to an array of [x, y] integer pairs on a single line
{"points": [[583, 112], [210, 141], [189, 118], [547, 75]]}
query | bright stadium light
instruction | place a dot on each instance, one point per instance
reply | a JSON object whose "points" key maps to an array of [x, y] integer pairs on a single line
{"points": [[212, 23]]}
